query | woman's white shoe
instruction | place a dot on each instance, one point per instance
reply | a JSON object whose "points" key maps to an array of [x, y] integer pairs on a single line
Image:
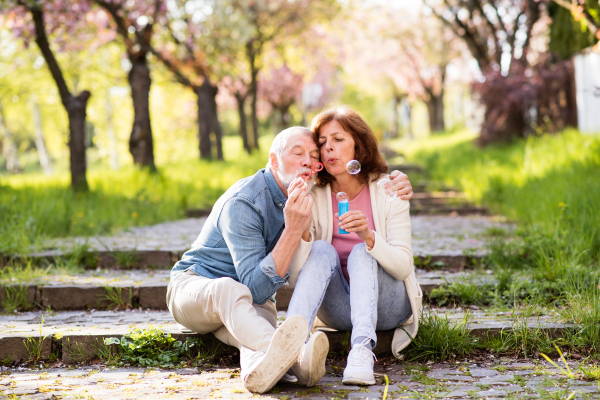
{"points": [[359, 368]]}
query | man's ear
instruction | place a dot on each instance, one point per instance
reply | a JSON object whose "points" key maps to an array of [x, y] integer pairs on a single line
{"points": [[273, 162]]}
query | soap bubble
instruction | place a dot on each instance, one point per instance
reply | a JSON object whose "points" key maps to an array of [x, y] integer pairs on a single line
{"points": [[341, 197], [385, 188], [353, 167]]}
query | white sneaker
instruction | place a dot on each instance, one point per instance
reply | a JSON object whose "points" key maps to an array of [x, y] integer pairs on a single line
{"points": [[310, 367], [281, 355], [359, 368], [289, 377]]}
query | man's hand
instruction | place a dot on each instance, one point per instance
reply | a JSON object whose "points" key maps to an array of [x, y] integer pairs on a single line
{"points": [[298, 208], [401, 185]]}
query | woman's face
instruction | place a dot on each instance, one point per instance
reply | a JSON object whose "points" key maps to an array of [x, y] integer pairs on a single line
{"points": [[336, 147]]}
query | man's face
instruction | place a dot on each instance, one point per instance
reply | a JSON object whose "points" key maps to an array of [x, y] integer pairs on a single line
{"points": [[298, 159]]}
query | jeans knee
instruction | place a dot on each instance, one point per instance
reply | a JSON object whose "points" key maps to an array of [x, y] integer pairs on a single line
{"points": [[323, 250], [359, 256]]}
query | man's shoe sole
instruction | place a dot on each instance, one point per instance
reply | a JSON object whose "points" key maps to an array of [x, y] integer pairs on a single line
{"points": [[285, 346], [319, 348]]}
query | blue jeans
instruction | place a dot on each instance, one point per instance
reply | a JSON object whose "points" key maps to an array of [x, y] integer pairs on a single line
{"points": [[373, 300]]}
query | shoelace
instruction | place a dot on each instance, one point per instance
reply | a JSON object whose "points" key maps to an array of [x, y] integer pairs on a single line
{"points": [[360, 354]]}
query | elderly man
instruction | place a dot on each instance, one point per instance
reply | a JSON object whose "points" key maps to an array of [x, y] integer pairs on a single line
{"points": [[226, 283]]}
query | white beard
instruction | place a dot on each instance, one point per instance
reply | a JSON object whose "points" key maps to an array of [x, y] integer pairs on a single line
{"points": [[287, 178]]}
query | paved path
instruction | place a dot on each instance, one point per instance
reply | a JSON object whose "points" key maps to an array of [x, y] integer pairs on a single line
{"points": [[485, 379], [431, 236]]}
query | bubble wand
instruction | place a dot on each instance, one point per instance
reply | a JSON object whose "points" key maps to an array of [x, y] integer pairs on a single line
{"points": [[318, 167]]}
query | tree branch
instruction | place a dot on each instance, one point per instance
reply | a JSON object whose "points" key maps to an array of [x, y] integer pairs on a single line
{"points": [[42, 41], [172, 67], [121, 22]]}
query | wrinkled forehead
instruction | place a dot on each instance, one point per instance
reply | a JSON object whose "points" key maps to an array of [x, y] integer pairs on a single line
{"points": [[301, 141]]}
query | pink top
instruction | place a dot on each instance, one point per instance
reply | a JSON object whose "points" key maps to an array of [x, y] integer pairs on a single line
{"points": [[344, 243]]}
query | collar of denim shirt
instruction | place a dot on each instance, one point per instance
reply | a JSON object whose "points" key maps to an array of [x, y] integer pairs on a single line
{"points": [[278, 197]]}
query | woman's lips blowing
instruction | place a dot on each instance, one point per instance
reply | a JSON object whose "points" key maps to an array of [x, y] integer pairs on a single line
{"points": [[331, 160]]}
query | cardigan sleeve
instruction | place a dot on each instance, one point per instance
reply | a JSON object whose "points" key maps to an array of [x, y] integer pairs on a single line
{"points": [[395, 255]]}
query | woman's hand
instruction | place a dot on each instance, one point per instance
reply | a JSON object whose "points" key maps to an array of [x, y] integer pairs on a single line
{"points": [[401, 185], [356, 221]]}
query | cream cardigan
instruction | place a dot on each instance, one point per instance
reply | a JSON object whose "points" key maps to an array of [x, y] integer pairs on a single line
{"points": [[392, 249]]}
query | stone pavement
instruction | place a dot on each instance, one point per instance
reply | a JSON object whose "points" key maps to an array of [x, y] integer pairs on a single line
{"points": [[481, 379], [453, 240]]}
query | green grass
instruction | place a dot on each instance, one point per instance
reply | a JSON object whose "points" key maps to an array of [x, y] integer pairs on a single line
{"points": [[35, 207], [440, 339], [550, 186]]}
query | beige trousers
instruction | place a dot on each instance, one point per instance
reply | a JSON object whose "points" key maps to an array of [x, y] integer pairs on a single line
{"points": [[224, 307]]}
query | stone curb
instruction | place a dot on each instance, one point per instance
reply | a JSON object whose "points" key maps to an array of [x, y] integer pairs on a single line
{"points": [[150, 295], [78, 346]]}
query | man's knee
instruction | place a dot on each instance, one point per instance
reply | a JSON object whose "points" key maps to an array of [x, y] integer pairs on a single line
{"points": [[232, 290]]}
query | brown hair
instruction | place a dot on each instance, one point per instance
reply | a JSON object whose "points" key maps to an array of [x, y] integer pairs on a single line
{"points": [[366, 150]]}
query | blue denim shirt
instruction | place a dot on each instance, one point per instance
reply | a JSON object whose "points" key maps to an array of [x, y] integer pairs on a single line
{"points": [[237, 238]]}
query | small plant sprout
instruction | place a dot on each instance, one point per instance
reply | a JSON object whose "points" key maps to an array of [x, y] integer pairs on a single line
{"points": [[567, 370], [34, 345]]}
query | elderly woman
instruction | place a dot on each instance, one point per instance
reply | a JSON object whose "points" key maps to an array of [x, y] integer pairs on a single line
{"points": [[363, 281]]}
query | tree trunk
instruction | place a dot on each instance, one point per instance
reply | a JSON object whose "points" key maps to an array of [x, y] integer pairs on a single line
{"points": [[9, 149], [285, 117], [253, 91], [140, 142], [396, 125], [40, 141], [113, 155], [241, 101], [204, 119], [435, 108], [74, 105], [571, 95], [216, 125], [76, 110], [408, 122]]}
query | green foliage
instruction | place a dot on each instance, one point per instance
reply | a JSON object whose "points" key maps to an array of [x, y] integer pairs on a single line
{"points": [[152, 347], [465, 291], [440, 339], [549, 185], [520, 338], [113, 296], [15, 298], [568, 36], [583, 309], [34, 345]]}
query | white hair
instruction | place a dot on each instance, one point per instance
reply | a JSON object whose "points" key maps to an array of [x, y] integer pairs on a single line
{"points": [[282, 139]]}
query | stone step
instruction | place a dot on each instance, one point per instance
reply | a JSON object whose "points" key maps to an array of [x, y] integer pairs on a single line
{"points": [[76, 335], [453, 240], [438, 195], [437, 201], [449, 210], [108, 289]]}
